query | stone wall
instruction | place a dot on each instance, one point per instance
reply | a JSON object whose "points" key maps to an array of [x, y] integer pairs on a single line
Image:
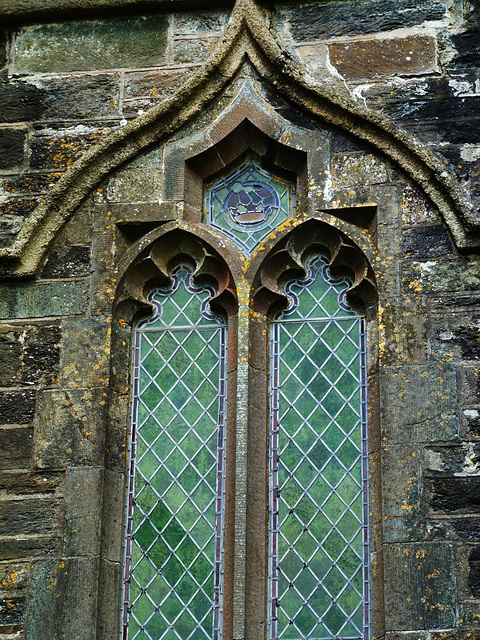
{"points": [[70, 81]]}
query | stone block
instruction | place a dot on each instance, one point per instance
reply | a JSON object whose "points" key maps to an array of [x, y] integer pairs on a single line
{"points": [[420, 575], [91, 338], [41, 355], [11, 351], [438, 110], [20, 101], [18, 548], [402, 517], [55, 147], [77, 96], [30, 183], [12, 610], [134, 185], [43, 299], [192, 50], [383, 57], [90, 45], [418, 404], [352, 168], [403, 331], [314, 21], [474, 573], [3, 47], [200, 22], [143, 89], [69, 429], [10, 227], [109, 598], [83, 511], [28, 516], [17, 407], [18, 207], [62, 599], [426, 242], [14, 576], [438, 275], [16, 446], [416, 209], [114, 515], [24, 483], [12, 149], [454, 495], [454, 336], [67, 262]]}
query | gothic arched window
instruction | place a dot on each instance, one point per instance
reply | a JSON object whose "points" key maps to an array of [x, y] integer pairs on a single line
{"points": [[312, 410]]}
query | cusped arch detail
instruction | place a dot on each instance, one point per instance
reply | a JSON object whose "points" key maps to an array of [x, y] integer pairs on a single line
{"points": [[247, 37]]}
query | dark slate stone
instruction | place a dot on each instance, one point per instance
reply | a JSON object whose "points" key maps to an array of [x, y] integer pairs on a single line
{"points": [[12, 147], [20, 207], [426, 242], [467, 529], [438, 110], [32, 546], [10, 357], [32, 183], [455, 494], [12, 611], [329, 19], [18, 483], [20, 101], [474, 576], [3, 48], [17, 407], [42, 354], [453, 131], [27, 516], [342, 142], [75, 262], [468, 49], [16, 445]]}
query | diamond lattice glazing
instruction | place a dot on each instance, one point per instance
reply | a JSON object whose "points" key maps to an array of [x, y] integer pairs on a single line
{"points": [[174, 548], [248, 203], [319, 536]]}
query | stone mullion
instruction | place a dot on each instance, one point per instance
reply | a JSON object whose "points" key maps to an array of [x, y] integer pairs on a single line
{"points": [[241, 463]]}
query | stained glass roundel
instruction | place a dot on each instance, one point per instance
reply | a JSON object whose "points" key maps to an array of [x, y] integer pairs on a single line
{"points": [[248, 203]]}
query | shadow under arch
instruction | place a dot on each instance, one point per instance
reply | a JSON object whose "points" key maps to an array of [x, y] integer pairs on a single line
{"points": [[247, 37]]}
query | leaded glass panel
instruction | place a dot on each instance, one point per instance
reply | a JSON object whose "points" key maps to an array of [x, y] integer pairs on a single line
{"points": [[318, 582], [174, 548], [249, 203]]}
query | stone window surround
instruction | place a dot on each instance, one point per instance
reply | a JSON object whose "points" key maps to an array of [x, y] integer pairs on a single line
{"points": [[249, 294]]}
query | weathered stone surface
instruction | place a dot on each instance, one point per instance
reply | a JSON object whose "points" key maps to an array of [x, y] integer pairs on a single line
{"points": [[401, 494], [10, 355], [28, 516], [441, 275], [144, 89], [347, 168], [200, 22], [41, 355], [134, 185], [420, 575], [67, 262], [474, 576], [367, 58], [91, 338], [29, 184], [58, 147], [12, 149], [17, 407], [62, 599], [403, 331], [426, 242], [77, 96], [311, 21], [10, 226], [17, 548], [418, 403], [20, 101], [69, 429], [455, 336], [415, 207], [11, 612], [86, 45], [43, 299], [192, 50], [21, 483], [83, 512], [16, 446]]}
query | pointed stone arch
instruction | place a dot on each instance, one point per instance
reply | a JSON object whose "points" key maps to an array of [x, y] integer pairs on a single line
{"points": [[247, 37]]}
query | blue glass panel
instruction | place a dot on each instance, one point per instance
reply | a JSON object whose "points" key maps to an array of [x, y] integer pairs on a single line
{"points": [[249, 203]]}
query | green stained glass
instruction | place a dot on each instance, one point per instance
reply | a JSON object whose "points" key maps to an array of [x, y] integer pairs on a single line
{"points": [[175, 525], [249, 203], [318, 527]]}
